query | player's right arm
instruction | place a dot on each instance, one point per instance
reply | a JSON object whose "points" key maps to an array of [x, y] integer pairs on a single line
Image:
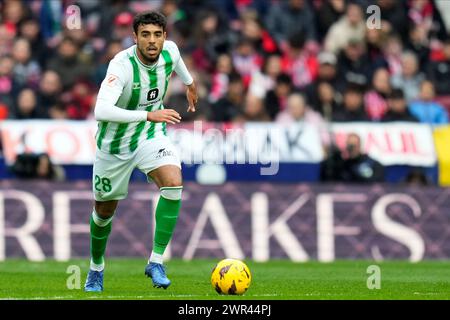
{"points": [[110, 91]]}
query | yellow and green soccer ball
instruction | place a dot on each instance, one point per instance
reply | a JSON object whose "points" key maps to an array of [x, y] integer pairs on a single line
{"points": [[231, 276]]}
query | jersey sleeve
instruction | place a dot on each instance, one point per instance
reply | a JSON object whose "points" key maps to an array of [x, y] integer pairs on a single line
{"points": [[183, 72], [180, 67], [110, 91]]}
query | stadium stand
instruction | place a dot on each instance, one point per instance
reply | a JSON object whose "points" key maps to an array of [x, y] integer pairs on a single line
{"points": [[248, 58]]}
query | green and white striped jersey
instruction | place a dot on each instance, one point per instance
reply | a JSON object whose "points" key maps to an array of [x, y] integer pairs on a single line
{"points": [[133, 86]]}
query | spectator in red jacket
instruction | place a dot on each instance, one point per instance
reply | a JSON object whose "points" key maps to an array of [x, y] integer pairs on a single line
{"points": [[220, 77], [246, 60], [80, 101], [439, 72], [298, 62], [375, 98]]}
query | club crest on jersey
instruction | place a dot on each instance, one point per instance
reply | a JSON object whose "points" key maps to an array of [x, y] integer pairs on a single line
{"points": [[152, 94]]}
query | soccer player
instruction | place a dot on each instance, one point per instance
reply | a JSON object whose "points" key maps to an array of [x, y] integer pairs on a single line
{"points": [[132, 134]]}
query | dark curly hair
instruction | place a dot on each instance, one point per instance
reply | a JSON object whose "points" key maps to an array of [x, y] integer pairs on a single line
{"points": [[149, 17]]}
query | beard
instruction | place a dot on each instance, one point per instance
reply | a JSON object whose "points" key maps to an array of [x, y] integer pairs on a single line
{"points": [[146, 57]]}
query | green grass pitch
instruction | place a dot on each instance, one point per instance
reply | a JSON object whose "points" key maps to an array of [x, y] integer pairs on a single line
{"points": [[277, 279]]}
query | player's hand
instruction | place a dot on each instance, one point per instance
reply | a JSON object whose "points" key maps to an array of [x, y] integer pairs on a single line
{"points": [[192, 98], [165, 115]]}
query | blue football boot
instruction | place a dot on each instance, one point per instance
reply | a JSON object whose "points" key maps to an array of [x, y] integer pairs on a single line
{"points": [[94, 281], [157, 272]]}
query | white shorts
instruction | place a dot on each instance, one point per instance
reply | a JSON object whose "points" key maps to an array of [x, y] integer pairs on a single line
{"points": [[112, 172]]}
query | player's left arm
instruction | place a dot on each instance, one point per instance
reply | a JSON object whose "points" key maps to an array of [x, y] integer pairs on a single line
{"points": [[191, 91], [191, 95]]}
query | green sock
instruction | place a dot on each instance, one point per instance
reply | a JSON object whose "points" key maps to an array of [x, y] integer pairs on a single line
{"points": [[167, 211], [100, 230]]}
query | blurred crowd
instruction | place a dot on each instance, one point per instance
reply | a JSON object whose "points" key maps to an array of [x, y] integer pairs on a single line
{"points": [[282, 61]]}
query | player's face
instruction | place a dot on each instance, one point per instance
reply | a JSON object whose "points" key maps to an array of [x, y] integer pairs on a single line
{"points": [[150, 40]]}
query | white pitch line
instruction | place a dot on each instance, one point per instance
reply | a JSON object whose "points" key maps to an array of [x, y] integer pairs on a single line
{"points": [[426, 293], [132, 297]]}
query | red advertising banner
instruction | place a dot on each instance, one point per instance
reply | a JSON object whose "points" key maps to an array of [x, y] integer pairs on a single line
{"points": [[72, 142], [392, 143]]}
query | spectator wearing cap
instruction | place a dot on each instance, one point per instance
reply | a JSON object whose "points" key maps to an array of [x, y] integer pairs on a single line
{"points": [[326, 73], [410, 78], [123, 29], [426, 109], [350, 26], [327, 66], [108, 12], [375, 98], [352, 108], [398, 108]]}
